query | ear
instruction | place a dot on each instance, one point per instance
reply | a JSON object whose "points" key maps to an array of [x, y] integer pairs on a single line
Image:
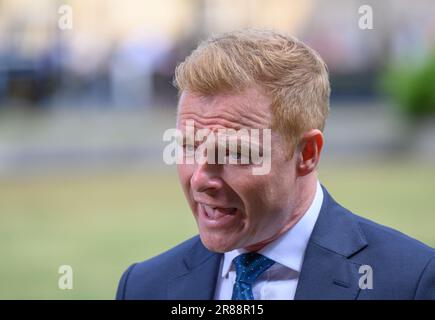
{"points": [[309, 149]]}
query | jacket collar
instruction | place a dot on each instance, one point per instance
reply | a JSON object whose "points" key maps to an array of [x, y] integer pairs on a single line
{"points": [[327, 272]]}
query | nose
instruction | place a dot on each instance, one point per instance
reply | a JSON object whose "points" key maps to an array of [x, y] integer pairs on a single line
{"points": [[205, 178]]}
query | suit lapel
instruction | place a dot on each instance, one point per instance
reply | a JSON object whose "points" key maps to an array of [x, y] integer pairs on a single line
{"points": [[327, 272], [326, 275], [197, 277]]}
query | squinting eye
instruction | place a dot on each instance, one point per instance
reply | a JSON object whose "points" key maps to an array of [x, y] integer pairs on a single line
{"points": [[189, 147], [236, 155]]}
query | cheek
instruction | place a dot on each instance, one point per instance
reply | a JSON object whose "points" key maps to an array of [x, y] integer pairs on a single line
{"points": [[269, 193], [253, 190], [184, 174]]}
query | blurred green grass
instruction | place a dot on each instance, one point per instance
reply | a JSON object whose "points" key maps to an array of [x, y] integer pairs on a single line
{"points": [[99, 224]]}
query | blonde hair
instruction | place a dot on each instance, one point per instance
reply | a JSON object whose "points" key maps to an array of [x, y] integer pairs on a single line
{"points": [[290, 73]]}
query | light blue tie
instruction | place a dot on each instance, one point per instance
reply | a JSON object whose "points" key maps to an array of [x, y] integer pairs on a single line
{"points": [[249, 266]]}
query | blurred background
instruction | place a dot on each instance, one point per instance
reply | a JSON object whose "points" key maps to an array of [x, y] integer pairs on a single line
{"points": [[86, 94]]}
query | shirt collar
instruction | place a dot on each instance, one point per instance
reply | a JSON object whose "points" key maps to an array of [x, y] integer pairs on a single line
{"points": [[289, 249]]}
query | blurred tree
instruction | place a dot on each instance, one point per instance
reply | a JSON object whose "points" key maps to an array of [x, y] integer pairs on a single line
{"points": [[412, 87]]}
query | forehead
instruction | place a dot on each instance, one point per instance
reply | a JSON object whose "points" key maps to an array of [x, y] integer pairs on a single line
{"points": [[248, 109]]}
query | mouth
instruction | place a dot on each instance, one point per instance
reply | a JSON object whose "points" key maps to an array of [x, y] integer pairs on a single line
{"points": [[215, 213], [216, 216]]}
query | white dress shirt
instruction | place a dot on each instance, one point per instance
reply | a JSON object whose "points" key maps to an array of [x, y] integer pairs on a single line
{"points": [[279, 282]]}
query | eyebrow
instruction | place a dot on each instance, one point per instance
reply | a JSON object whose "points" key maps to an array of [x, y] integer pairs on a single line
{"points": [[243, 142], [203, 122], [240, 143]]}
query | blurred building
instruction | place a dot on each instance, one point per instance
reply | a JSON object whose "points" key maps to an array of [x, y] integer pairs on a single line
{"points": [[93, 95], [122, 53]]}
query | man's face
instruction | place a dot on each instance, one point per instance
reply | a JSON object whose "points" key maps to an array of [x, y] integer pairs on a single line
{"points": [[233, 207]]}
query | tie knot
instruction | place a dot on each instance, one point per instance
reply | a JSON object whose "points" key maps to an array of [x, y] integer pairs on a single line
{"points": [[250, 265]]}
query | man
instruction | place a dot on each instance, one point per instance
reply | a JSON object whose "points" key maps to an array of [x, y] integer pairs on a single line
{"points": [[277, 235]]}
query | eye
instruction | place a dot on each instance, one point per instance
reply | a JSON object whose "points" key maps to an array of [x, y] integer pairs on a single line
{"points": [[235, 155], [237, 158], [189, 147]]}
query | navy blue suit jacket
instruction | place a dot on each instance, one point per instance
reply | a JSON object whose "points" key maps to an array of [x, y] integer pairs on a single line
{"points": [[403, 268]]}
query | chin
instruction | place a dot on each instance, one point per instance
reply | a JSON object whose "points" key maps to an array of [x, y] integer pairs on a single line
{"points": [[218, 244]]}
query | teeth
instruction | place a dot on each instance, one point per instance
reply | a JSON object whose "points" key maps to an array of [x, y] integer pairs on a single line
{"points": [[209, 211]]}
